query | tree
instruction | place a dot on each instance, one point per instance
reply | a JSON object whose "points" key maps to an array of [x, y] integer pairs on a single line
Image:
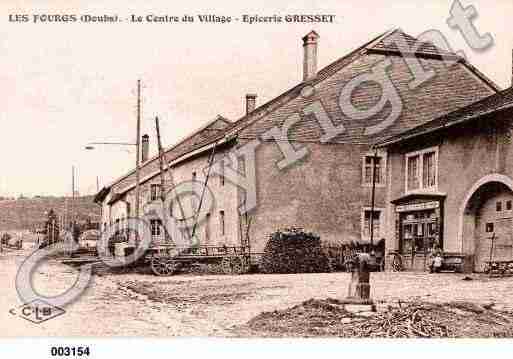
{"points": [[51, 227]]}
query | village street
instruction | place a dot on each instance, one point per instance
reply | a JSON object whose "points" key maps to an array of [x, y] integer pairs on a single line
{"points": [[211, 305]]}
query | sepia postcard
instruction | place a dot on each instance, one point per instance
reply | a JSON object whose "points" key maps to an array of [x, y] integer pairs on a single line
{"points": [[329, 170]]}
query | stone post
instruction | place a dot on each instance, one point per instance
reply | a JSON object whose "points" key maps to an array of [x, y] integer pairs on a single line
{"points": [[359, 288]]}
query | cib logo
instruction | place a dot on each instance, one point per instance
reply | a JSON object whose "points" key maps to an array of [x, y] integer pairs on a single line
{"points": [[37, 311]]}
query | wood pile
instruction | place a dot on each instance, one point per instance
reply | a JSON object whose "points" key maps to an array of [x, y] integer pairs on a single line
{"points": [[331, 318], [294, 251], [415, 320]]}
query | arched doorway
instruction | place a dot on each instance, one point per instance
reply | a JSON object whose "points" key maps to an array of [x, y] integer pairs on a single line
{"points": [[487, 222]]}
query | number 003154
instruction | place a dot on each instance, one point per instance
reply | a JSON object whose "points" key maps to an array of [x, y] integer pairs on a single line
{"points": [[70, 351]]}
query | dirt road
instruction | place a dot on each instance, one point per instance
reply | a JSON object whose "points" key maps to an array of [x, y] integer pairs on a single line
{"points": [[211, 305]]}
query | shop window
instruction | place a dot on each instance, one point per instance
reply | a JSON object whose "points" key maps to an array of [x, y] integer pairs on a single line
{"points": [[371, 163], [419, 232], [421, 170], [498, 206]]}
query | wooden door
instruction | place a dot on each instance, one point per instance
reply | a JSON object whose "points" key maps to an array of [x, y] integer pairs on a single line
{"points": [[495, 219]]}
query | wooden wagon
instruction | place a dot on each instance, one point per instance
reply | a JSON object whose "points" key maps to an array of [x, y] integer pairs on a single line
{"points": [[499, 267], [166, 260]]}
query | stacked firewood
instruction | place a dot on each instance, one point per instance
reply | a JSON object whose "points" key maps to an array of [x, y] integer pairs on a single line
{"points": [[412, 320], [294, 251]]}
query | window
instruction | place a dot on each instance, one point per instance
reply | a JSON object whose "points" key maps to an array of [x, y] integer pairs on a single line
{"points": [[421, 170], [194, 206], [413, 172], [376, 223], [221, 168], [155, 226], [508, 205], [371, 162], [207, 228], [498, 206], [489, 227], [419, 232], [428, 170], [155, 192], [221, 222]]}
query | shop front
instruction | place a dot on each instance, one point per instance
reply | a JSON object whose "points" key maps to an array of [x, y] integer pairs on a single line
{"points": [[418, 231]]}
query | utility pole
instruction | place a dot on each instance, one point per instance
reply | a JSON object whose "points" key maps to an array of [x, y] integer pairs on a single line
{"points": [[162, 181], [161, 161], [137, 145], [97, 184], [72, 219], [64, 211]]}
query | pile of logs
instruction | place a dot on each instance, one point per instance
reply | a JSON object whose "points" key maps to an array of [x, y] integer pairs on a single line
{"points": [[294, 251], [412, 320]]}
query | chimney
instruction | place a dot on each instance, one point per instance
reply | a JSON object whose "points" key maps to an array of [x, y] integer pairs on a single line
{"points": [[250, 102], [145, 144], [310, 55]]}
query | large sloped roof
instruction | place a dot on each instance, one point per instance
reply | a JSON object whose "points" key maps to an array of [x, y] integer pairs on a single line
{"points": [[378, 45], [212, 131], [221, 128], [296, 90], [208, 133], [497, 102], [423, 48]]}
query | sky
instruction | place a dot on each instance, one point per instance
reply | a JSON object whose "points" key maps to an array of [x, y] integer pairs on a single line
{"points": [[63, 85]]}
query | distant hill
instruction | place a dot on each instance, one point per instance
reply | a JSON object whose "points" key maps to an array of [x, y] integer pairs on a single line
{"points": [[29, 213]]}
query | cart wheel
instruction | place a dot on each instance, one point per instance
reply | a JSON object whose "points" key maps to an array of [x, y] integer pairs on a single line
{"points": [[503, 268], [226, 265], [397, 263], [246, 264], [162, 266], [239, 265]]}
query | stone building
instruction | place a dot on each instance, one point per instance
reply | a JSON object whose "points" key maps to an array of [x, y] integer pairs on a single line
{"points": [[188, 158], [309, 149], [450, 184]]}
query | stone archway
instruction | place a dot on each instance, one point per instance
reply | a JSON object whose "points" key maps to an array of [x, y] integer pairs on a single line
{"points": [[476, 209]]}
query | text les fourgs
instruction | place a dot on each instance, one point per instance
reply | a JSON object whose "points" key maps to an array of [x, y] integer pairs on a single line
{"points": [[18, 18]]}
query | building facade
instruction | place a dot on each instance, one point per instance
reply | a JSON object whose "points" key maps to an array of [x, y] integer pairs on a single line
{"points": [[313, 160], [451, 186]]}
